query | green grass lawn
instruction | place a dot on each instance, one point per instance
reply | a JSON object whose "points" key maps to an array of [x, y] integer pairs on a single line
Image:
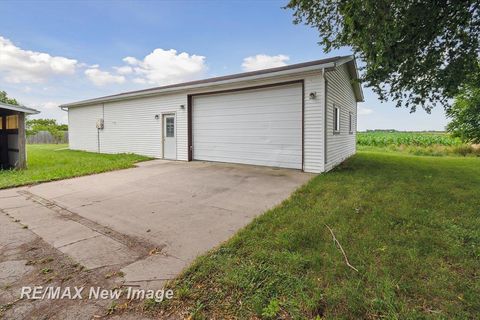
{"points": [[54, 162], [409, 224]]}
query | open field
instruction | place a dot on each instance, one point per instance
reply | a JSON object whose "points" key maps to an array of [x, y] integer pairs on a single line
{"points": [[409, 224], [424, 139], [54, 162], [416, 143]]}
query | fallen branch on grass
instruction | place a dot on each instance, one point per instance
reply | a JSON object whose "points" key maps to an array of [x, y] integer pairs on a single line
{"points": [[341, 249]]}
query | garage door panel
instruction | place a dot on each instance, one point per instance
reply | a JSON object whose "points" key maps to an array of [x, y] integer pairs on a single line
{"points": [[283, 142], [244, 104], [255, 159], [249, 125], [264, 113], [262, 96], [246, 150], [280, 119], [247, 147], [261, 127], [242, 121], [254, 131]]}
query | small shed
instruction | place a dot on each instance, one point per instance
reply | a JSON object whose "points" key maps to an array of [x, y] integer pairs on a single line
{"points": [[13, 135]]}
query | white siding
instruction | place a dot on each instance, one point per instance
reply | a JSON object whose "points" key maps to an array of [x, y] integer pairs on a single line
{"points": [[313, 124], [340, 93], [82, 131], [130, 124], [260, 126], [131, 127]]}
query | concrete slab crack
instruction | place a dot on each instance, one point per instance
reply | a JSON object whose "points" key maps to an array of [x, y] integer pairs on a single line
{"points": [[74, 242], [140, 246]]}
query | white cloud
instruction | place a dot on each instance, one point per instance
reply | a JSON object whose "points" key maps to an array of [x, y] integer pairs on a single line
{"points": [[157, 68], [263, 61], [166, 67], [131, 60], [18, 65], [124, 70], [362, 111], [101, 78], [140, 80], [49, 105]]}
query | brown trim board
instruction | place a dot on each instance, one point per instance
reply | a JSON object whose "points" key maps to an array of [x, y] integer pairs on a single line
{"points": [[278, 84], [189, 127]]}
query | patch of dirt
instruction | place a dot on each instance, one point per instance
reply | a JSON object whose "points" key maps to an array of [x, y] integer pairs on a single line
{"points": [[33, 262]]}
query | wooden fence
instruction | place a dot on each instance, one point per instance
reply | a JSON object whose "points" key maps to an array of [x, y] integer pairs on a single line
{"points": [[47, 137]]}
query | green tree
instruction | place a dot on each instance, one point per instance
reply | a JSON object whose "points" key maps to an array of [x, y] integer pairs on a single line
{"points": [[418, 53], [465, 114], [50, 125], [5, 99]]}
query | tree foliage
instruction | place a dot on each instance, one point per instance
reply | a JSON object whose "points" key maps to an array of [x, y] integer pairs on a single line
{"points": [[50, 125], [6, 99], [465, 114], [416, 52]]}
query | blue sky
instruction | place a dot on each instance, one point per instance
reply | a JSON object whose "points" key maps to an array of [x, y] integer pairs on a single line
{"points": [[56, 52]]}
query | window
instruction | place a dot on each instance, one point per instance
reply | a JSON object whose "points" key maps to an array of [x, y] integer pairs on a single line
{"points": [[336, 119], [170, 132], [350, 122], [12, 122]]}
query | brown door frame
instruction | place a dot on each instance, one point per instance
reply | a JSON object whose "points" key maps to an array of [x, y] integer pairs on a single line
{"points": [[278, 84]]}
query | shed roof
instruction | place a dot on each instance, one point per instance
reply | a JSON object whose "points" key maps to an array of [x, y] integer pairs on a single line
{"points": [[264, 73], [18, 108]]}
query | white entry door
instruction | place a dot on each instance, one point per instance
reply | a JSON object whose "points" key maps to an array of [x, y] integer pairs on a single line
{"points": [[169, 137]]}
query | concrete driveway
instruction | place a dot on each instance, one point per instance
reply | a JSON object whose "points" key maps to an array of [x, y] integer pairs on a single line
{"points": [[150, 221]]}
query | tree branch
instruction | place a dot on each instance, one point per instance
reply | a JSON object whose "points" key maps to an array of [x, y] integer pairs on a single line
{"points": [[341, 249]]}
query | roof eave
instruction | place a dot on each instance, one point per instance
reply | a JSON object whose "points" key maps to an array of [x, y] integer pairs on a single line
{"points": [[196, 86], [353, 71], [329, 63], [18, 108]]}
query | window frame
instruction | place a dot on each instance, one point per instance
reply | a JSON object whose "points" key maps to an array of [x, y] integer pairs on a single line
{"points": [[336, 119], [9, 122], [350, 122], [169, 126]]}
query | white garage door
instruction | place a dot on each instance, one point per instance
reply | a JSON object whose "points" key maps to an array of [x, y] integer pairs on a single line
{"points": [[260, 127]]}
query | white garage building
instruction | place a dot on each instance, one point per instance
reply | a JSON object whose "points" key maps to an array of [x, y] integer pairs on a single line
{"points": [[301, 116]]}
